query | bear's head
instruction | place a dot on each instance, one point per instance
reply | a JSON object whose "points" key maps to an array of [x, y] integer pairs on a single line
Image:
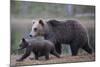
{"points": [[37, 28], [23, 44]]}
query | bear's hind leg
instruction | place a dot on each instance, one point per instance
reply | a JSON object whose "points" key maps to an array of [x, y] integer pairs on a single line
{"points": [[74, 49], [87, 48]]}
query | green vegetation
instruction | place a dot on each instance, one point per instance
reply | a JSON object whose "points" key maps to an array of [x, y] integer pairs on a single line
{"points": [[15, 39]]}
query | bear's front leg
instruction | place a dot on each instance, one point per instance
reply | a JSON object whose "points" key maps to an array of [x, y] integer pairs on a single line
{"points": [[53, 52], [58, 48], [27, 53]]}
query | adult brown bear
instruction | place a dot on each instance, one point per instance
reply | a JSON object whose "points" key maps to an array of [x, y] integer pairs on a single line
{"points": [[63, 32]]}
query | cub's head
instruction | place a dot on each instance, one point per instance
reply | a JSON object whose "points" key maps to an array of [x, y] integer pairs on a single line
{"points": [[23, 44], [37, 28]]}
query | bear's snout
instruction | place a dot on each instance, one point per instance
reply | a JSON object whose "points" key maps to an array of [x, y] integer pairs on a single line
{"points": [[30, 35]]}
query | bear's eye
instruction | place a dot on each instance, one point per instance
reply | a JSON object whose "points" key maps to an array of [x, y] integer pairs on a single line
{"points": [[35, 29], [33, 22]]}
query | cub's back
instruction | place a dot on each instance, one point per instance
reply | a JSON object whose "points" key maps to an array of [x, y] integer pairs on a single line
{"points": [[40, 44]]}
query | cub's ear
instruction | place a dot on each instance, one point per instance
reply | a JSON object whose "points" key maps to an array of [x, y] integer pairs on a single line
{"points": [[41, 22], [23, 40]]}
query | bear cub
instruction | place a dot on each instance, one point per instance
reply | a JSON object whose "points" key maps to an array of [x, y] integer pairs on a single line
{"points": [[39, 46]]}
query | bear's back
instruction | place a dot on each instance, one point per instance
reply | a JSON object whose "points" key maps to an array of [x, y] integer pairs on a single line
{"points": [[65, 31]]}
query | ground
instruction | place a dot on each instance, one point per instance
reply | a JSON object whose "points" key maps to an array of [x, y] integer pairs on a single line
{"points": [[53, 59]]}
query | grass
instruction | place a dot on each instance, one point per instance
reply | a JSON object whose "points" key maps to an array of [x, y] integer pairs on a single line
{"points": [[15, 39]]}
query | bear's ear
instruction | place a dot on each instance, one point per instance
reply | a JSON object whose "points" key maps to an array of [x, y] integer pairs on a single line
{"points": [[23, 40], [33, 21], [41, 22]]}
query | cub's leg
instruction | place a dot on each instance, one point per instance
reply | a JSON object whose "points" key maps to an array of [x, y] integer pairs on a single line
{"points": [[27, 53]]}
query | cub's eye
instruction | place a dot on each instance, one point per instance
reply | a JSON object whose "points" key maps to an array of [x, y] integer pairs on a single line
{"points": [[35, 29]]}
